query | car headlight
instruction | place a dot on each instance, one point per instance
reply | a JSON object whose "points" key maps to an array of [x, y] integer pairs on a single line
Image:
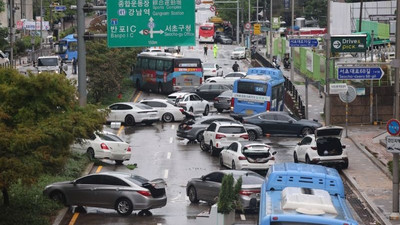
{"points": [[56, 71]]}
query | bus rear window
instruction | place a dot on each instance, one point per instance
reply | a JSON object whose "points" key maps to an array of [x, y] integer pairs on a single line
{"points": [[206, 28], [187, 63], [252, 88]]}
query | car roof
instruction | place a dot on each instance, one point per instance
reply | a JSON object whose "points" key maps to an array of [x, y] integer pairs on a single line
{"points": [[224, 123], [213, 117], [251, 143]]}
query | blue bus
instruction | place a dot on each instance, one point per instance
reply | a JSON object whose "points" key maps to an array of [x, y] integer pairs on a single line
{"points": [[262, 89], [68, 48], [166, 73], [303, 194]]}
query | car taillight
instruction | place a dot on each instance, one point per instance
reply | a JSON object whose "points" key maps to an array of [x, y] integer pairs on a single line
{"points": [[129, 149], [232, 102], [173, 81], [219, 136], [314, 147], [242, 158], [244, 136], [214, 71], [104, 146], [248, 192], [268, 106], [186, 127], [182, 110], [144, 193], [216, 99]]}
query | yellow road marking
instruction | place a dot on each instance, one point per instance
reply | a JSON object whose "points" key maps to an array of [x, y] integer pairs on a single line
{"points": [[73, 220], [140, 92], [120, 130], [98, 169]]}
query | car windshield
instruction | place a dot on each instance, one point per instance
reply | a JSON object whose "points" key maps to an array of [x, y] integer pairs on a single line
{"points": [[231, 130], [208, 65], [137, 179], [294, 116], [109, 137], [249, 178], [47, 62], [241, 49], [226, 94], [143, 106]]}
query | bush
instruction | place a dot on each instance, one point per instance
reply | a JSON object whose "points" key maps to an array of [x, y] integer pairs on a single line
{"points": [[29, 206], [228, 199]]}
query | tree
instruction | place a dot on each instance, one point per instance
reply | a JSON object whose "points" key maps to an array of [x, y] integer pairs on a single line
{"points": [[107, 68], [39, 119], [316, 9], [228, 199]]}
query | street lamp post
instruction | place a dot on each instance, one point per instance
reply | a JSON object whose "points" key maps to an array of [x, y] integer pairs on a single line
{"points": [[270, 32]]}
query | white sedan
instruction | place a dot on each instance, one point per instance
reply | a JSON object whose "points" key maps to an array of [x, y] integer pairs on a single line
{"points": [[104, 145], [247, 155], [193, 103], [131, 113], [228, 79], [212, 70], [166, 111], [238, 53]]}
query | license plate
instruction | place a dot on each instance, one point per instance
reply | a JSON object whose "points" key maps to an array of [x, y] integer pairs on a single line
{"points": [[188, 84], [249, 112]]}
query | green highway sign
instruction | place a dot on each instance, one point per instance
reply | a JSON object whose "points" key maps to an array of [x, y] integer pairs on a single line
{"points": [[348, 43], [150, 23]]}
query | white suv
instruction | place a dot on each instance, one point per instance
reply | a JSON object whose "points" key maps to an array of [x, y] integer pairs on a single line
{"points": [[323, 148], [221, 134]]}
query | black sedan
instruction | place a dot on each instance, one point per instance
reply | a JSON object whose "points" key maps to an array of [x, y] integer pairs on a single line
{"points": [[209, 91], [282, 123]]}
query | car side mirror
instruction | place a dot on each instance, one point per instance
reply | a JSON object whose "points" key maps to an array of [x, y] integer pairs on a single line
{"points": [[290, 121], [298, 143], [274, 153], [203, 178]]}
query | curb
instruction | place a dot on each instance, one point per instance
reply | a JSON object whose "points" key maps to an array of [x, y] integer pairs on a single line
{"points": [[63, 211]]}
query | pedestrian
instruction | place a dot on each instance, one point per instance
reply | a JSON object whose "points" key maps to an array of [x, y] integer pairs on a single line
{"points": [[235, 67], [205, 49], [215, 49], [74, 66]]}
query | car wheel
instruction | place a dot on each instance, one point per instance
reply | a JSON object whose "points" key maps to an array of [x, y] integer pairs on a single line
{"points": [[203, 145], [345, 165], [306, 131], [124, 206], [90, 153], [221, 161], [212, 149], [58, 196], [213, 81], [206, 110], [193, 195], [200, 136], [129, 120], [308, 161], [233, 165], [167, 117], [138, 87], [295, 159], [191, 109], [119, 162], [252, 135], [220, 110]]}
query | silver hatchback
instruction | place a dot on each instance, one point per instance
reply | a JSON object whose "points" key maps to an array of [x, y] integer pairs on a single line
{"points": [[119, 191]]}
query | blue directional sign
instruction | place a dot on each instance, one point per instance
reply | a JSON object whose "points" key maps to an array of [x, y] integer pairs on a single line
{"points": [[60, 8], [303, 42], [360, 73]]}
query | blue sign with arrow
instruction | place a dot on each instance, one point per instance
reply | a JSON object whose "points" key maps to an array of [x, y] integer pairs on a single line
{"points": [[303, 42], [360, 73], [60, 8]]}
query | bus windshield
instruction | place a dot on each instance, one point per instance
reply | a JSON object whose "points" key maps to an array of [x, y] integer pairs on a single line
{"points": [[252, 88]]}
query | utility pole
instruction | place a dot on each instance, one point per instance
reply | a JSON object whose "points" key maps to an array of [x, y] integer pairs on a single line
{"points": [[41, 24], [81, 53], [237, 21], [11, 8], [257, 12], [270, 33], [360, 20], [291, 49], [327, 67], [395, 212], [371, 86]]}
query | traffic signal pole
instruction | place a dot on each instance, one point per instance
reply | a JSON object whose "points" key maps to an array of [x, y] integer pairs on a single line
{"points": [[81, 53]]}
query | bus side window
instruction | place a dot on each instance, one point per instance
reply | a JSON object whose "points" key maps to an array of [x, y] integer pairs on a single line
{"points": [[152, 64], [160, 65], [145, 64], [167, 66]]}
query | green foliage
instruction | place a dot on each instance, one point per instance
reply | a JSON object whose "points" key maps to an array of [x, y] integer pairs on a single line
{"points": [[21, 45], [316, 9], [40, 118], [108, 69], [228, 198], [70, 30], [30, 198]]}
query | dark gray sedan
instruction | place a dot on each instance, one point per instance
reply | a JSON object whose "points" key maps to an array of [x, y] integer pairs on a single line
{"points": [[206, 188], [223, 101], [119, 191], [193, 129], [282, 123]]}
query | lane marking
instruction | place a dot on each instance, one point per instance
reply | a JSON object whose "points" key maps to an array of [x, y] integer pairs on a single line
{"points": [[171, 140], [173, 126], [135, 100], [165, 174], [168, 155], [74, 218], [120, 130], [159, 223], [99, 168], [242, 217]]}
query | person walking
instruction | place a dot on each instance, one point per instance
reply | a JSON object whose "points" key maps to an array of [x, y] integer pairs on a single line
{"points": [[215, 49], [235, 67], [74, 66], [205, 49]]}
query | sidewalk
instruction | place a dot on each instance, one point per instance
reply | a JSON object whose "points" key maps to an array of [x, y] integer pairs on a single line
{"points": [[367, 170]]}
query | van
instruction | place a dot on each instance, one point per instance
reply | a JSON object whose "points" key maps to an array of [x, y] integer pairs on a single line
{"points": [[3, 58], [51, 64]]}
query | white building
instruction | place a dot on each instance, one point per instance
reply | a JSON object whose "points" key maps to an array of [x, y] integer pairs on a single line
{"points": [[23, 10]]}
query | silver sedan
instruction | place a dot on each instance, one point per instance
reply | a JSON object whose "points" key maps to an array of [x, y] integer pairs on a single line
{"points": [[119, 191]]}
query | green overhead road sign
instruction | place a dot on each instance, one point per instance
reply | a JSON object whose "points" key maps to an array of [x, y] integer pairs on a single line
{"points": [[348, 43], [150, 23]]}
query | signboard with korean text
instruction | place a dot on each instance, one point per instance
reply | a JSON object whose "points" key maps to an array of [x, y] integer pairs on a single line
{"points": [[336, 88], [360, 73], [299, 42], [150, 23], [393, 144], [276, 22], [350, 43]]}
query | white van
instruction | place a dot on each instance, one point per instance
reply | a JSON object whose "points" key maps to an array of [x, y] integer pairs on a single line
{"points": [[3, 58], [50, 64]]}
